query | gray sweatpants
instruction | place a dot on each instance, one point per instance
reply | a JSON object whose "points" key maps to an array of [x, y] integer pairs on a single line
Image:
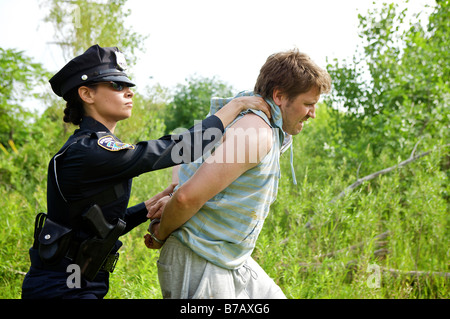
{"points": [[185, 275]]}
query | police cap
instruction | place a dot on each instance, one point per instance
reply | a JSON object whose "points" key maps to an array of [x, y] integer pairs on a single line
{"points": [[97, 64]]}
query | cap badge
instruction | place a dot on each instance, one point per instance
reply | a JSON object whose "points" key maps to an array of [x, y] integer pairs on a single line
{"points": [[121, 62], [84, 77]]}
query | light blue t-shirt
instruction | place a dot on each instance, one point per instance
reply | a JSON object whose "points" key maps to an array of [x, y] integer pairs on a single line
{"points": [[224, 231]]}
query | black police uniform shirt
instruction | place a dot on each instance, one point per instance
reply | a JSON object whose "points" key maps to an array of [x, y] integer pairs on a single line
{"points": [[94, 161]]}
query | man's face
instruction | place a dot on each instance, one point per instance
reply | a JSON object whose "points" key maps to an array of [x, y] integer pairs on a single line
{"points": [[295, 112]]}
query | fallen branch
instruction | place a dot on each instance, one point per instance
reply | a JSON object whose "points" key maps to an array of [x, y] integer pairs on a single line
{"points": [[377, 253], [17, 271], [352, 267], [397, 272], [383, 171]]}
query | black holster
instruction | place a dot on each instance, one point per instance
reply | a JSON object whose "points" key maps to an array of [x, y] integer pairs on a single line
{"points": [[95, 253], [55, 241]]}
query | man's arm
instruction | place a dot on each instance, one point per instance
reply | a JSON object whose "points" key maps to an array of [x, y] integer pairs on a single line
{"points": [[217, 172]]}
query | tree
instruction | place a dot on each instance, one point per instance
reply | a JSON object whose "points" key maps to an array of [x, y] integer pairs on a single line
{"points": [[191, 101], [79, 24], [20, 76], [395, 91]]}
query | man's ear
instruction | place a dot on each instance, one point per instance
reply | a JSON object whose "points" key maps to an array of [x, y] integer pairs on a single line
{"points": [[86, 94], [277, 96]]}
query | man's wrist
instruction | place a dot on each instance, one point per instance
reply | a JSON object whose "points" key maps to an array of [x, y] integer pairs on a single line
{"points": [[155, 234], [160, 234]]}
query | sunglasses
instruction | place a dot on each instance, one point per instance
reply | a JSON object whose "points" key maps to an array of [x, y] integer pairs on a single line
{"points": [[117, 86]]}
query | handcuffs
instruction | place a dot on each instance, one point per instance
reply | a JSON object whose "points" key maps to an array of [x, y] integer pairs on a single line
{"points": [[155, 221]]}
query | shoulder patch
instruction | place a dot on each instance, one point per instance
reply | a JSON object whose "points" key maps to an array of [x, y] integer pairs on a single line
{"points": [[110, 143]]}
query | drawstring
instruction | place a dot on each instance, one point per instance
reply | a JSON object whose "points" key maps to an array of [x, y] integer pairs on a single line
{"points": [[252, 272], [288, 142], [294, 180]]}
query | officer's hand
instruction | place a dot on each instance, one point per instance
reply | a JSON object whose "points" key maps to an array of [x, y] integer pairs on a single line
{"points": [[155, 210], [253, 102], [150, 203]]}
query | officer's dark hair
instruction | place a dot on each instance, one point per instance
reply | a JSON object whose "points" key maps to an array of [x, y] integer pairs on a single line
{"points": [[74, 111]]}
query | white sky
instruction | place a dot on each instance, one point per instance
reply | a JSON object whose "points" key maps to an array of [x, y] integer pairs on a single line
{"points": [[228, 39]]}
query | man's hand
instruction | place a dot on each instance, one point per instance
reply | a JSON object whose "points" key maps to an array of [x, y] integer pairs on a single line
{"points": [[148, 240]]}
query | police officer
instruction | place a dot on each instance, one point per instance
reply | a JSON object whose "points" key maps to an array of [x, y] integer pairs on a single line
{"points": [[89, 178]]}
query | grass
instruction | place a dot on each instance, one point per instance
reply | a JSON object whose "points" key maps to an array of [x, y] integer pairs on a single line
{"points": [[412, 203], [406, 202]]}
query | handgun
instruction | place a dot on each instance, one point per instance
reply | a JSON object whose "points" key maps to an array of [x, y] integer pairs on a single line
{"points": [[96, 221], [94, 252]]}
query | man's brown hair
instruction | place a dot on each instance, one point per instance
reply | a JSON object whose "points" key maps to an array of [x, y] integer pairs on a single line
{"points": [[293, 73]]}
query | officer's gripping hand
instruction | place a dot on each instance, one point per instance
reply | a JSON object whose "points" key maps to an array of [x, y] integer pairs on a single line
{"points": [[156, 204], [253, 102], [155, 210]]}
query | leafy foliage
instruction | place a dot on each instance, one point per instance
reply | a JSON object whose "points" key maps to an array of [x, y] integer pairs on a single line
{"points": [[395, 92], [79, 24], [191, 101], [20, 76]]}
